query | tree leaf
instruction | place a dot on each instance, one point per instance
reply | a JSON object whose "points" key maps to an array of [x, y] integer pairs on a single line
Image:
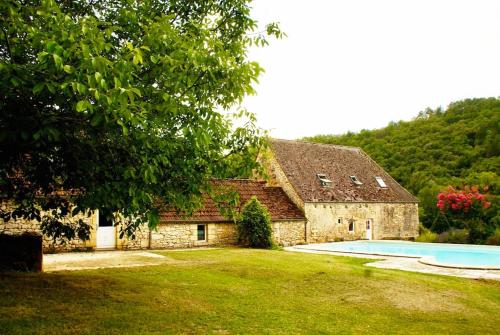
{"points": [[81, 105], [38, 88], [68, 69]]}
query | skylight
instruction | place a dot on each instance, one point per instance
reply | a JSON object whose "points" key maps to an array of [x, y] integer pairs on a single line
{"points": [[355, 180], [324, 181], [381, 182]]}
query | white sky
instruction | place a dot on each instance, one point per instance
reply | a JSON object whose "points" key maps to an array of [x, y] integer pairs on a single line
{"points": [[359, 64]]}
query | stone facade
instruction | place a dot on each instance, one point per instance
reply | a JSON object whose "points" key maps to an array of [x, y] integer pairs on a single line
{"points": [[286, 233], [20, 226], [165, 236], [184, 235], [388, 221]]}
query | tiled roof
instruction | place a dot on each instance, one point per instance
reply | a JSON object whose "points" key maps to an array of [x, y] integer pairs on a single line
{"points": [[302, 161], [274, 198]]}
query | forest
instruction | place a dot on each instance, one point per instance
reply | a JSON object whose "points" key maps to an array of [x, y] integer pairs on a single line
{"points": [[452, 153]]}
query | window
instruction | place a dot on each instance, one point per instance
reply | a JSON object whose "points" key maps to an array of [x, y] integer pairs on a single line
{"points": [[323, 180], [381, 182], [368, 224], [202, 232], [104, 221], [355, 180], [351, 226], [339, 220]]}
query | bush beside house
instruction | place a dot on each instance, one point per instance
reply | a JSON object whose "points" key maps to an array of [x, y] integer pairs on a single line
{"points": [[254, 225]]}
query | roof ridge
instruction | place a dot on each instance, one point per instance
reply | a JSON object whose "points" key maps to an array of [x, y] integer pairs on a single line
{"points": [[317, 143]]}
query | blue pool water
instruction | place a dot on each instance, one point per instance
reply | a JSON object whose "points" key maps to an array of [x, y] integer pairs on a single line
{"points": [[442, 254]]}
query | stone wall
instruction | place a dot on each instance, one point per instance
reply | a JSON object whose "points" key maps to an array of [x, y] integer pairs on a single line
{"points": [[286, 233], [184, 235], [278, 178], [19, 226], [165, 236], [389, 221]]}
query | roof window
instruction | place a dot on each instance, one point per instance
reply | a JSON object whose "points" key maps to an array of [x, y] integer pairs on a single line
{"points": [[381, 182], [323, 180], [355, 180]]}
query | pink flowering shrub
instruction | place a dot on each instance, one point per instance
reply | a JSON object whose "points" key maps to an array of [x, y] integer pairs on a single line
{"points": [[466, 201], [466, 210]]}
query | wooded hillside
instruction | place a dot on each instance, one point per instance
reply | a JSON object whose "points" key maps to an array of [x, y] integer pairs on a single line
{"points": [[439, 148]]}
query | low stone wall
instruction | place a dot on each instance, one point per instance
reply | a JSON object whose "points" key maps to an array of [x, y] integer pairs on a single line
{"points": [[389, 221]]}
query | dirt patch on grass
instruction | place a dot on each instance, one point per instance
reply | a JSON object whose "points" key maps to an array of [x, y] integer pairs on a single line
{"points": [[420, 299], [102, 259]]}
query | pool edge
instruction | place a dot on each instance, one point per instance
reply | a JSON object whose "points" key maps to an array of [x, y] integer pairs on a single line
{"points": [[427, 260], [431, 261]]}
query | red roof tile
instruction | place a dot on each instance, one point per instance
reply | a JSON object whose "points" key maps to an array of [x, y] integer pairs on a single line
{"points": [[274, 198], [302, 161]]}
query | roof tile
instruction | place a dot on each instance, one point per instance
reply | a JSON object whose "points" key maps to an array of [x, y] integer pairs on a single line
{"points": [[274, 198], [302, 161]]}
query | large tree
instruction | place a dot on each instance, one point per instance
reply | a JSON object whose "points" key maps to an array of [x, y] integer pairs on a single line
{"points": [[118, 105]]}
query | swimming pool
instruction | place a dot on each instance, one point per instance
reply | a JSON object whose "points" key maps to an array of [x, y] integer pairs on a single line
{"points": [[439, 254]]}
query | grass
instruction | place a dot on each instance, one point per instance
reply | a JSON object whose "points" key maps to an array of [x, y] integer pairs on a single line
{"points": [[242, 291]]}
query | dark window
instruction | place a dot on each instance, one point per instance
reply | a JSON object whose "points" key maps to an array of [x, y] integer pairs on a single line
{"points": [[323, 180], [104, 221], [355, 180], [202, 236], [351, 227], [368, 224]]}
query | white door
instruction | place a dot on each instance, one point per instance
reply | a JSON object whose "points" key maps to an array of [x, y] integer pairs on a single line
{"points": [[106, 233], [369, 225]]}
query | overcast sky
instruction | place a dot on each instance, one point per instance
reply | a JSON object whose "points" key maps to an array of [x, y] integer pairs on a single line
{"points": [[348, 65]]}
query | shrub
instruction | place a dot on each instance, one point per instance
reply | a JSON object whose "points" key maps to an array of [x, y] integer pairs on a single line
{"points": [[494, 239], [479, 230], [254, 225], [425, 235], [459, 236]]}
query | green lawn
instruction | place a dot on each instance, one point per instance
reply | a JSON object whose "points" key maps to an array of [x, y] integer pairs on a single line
{"points": [[241, 291]]}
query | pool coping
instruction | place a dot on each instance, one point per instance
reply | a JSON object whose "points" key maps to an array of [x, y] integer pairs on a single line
{"points": [[429, 260]]}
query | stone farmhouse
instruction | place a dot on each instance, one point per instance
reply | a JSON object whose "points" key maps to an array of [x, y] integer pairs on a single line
{"points": [[315, 193], [343, 193]]}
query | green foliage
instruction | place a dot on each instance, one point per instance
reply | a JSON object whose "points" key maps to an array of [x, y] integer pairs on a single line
{"points": [[458, 236], [494, 239], [254, 225], [456, 147], [122, 103], [425, 235]]}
